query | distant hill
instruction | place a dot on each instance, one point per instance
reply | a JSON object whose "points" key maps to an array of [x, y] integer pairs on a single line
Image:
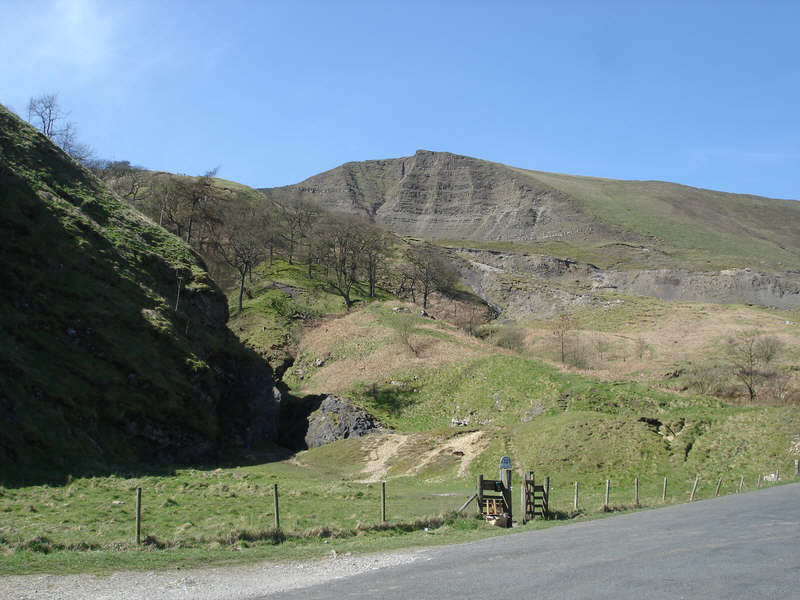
{"points": [[608, 222], [532, 242], [114, 349]]}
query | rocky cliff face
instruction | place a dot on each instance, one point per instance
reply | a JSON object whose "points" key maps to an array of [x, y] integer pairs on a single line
{"points": [[521, 284], [114, 349], [439, 195]]}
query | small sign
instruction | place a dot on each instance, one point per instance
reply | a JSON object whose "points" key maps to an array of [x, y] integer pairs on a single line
{"points": [[505, 463]]}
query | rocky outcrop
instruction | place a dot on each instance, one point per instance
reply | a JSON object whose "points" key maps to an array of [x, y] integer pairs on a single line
{"points": [[440, 195], [728, 286], [337, 419], [517, 284]]}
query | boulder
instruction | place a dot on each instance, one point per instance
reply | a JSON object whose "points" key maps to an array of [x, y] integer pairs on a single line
{"points": [[337, 419]]}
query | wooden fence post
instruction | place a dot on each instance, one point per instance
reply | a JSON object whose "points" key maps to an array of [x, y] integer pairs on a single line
{"points": [[719, 483], [466, 504], [777, 474], [138, 515], [636, 491], [383, 501], [694, 488], [758, 481], [479, 491], [664, 491], [741, 483], [275, 505], [523, 496], [796, 467], [605, 502], [547, 497], [506, 479], [575, 498]]}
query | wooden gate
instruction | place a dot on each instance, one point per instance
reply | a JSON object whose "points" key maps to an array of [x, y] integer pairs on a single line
{"points": [[534, 498], [498, 504]]}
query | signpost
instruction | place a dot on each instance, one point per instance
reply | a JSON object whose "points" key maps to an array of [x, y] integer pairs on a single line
{"points": [[505, 463]]}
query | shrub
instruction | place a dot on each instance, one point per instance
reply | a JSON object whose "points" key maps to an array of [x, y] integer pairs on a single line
{"points": [[510, 337]]}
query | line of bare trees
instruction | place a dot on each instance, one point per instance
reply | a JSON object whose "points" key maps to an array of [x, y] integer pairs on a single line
{"points": [[235, 232]]}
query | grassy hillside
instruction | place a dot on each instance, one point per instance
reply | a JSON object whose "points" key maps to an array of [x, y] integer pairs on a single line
{"points": [[690, 225], [103, 365]]}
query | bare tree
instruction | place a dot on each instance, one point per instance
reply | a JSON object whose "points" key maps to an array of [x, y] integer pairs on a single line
{"points": [[271, 234], [342, 244], [126, 180], [561, 327], [238, 243], [45, 113], [68, 140], [374, 253], [742, 352], [297, 216], [430, 269], [602, 345]]}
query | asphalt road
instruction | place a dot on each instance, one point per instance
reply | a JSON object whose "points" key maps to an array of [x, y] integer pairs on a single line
{"points": [[740, 546]]}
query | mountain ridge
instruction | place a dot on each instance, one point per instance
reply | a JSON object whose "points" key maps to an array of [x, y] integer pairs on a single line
{"points": [[445, 196]]}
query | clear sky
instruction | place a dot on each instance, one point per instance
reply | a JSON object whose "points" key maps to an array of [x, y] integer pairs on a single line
{"points": [[701, 93]]}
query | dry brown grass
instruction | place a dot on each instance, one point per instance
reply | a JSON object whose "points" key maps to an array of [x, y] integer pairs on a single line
{"points": [[337, 376], [342, 328], [684, 333]]}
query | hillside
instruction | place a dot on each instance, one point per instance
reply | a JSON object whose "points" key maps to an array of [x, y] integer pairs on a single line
{"points": [[115, 351], [444, 196], [106, 370], [535, 242]]}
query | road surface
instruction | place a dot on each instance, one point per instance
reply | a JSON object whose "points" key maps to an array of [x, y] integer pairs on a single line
{"points": [[741, 546]]}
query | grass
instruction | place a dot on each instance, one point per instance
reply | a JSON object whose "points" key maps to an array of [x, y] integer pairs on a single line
{"points": [[197, 517], [694, 228], [280, 298]]}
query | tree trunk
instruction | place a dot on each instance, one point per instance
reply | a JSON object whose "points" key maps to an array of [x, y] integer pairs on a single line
{"points": [[241, 290]]}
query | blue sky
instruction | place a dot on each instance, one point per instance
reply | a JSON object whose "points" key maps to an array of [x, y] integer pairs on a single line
{"points": [[700, 93]]}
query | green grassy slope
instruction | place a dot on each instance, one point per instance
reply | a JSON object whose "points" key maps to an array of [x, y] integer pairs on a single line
{"points": [[98, 368], [691, 225], [279, 299]]}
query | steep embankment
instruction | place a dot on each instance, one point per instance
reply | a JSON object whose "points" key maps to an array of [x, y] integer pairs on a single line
{"points": [[115, 350], [643, 237]]}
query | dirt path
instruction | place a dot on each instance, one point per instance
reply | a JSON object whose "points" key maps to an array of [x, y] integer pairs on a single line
{"points": [[384, 448], [467, 445]]}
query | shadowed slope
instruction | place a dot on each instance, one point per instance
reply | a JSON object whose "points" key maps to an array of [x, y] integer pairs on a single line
{"points": [[101, 364]]}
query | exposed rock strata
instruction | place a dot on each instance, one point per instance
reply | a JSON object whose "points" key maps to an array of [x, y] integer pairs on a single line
{"points": [[520, 284]]}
